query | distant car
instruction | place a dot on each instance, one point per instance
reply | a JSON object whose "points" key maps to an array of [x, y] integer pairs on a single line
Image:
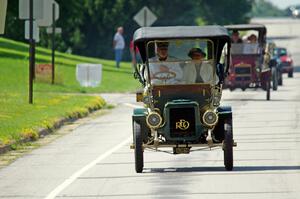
{"points": [[286, 61], [248, 66], [295, 11]]}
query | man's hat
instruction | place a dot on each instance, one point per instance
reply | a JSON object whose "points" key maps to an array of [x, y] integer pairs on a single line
{"points": [[162, 44], [196, 50]]}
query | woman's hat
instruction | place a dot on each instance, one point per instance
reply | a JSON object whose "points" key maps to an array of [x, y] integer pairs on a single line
{"points": [[196, 51]]}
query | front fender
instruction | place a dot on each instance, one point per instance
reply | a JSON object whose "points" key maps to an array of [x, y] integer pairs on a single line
{"points": [[225, 116], [139, 112], [139, 116], [224, 111]]}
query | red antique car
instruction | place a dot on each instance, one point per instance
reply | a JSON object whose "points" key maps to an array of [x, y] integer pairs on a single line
{"points": [[249, 66]]}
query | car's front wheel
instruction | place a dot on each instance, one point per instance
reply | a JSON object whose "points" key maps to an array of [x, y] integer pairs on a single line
{"points": [[290, 74], [274, 79], [280, 78], [228, 146], [138, 147], [268, 90]]}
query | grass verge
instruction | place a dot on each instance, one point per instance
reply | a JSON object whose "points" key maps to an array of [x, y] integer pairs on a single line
{"points": [[52, 103], [25, 122]]}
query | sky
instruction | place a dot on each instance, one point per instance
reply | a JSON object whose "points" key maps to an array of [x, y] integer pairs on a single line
{"points": [[284, 3]]}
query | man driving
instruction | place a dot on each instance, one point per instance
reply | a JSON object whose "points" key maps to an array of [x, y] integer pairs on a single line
{"points": [[163, 68]]}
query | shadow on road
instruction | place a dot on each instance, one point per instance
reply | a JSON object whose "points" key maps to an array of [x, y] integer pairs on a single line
{"points": [[259, 100], [222, 169]]}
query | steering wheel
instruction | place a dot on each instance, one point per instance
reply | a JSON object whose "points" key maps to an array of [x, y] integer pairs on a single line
{"points": [[163, 76]]}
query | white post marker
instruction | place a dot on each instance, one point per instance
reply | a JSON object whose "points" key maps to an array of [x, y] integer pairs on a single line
{"points": [[145, 17], [36, 31], [3, 8], [89, 75]]}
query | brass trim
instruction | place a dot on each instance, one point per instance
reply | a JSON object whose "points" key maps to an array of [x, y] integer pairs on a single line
{"points": [[182, 145], [213, 124], [139, 97], [242, 64], [151, 146], [182, 124], [157, 126]]}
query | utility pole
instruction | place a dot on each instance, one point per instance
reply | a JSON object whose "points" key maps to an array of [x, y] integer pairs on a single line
{"points": [[53, 43], [31, 52]]}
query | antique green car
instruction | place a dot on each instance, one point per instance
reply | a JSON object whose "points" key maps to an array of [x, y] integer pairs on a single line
{"points": [[182, 70]]}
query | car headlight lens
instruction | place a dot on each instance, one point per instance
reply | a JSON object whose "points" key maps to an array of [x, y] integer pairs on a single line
{"points": [[210, 118], [154, 120]]}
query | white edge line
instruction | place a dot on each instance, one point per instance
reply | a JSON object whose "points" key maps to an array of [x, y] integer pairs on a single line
{"points": [[132, 105], [72, 178]]}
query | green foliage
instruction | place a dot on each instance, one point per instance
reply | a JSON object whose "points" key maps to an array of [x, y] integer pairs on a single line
{"points": [[14, 27], [263, 8], [224, 12], [89, 25]]}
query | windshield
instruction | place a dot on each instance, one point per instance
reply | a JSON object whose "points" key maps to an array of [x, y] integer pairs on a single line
{"points": [[244, 42], [181, 62], [245, 49], [280, 51]]}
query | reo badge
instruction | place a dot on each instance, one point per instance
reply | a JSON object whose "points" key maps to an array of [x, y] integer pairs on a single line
{"points": [[182, 124]]}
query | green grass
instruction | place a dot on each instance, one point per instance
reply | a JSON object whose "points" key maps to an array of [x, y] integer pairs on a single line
{"points": [[15, 63], [20, 120]]}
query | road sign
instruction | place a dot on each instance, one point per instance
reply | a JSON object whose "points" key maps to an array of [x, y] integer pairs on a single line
{"points": [[145, 17], [38, 9], [36, 31], [46, 21], [3, 6], [42, 11], [57, 30]]}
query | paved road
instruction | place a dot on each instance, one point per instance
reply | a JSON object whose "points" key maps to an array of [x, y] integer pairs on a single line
{"points": [[94, 161]]}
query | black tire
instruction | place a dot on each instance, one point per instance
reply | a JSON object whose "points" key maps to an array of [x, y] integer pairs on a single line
{"points": [[138, 149], [274, 79], [280, 78], [228, 147], [268, 90], [290, 74]]}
